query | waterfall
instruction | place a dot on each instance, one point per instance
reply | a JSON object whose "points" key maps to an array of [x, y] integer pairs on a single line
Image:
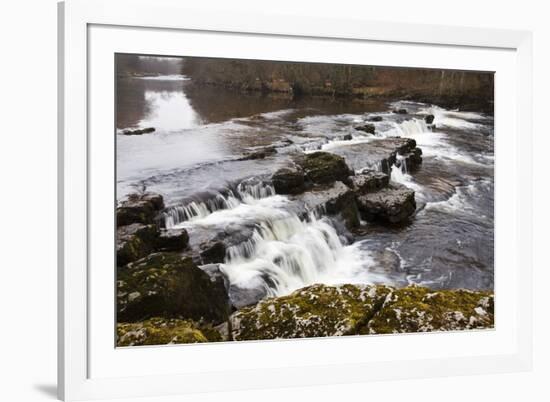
{"points": [[245, 192], [287, 253], [410, 128]]}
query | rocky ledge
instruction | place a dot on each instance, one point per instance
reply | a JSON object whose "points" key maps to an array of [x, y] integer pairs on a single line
{"points": [[320, 310]]}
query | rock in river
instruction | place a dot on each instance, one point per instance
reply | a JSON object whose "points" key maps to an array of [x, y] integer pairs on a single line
{"points": [[335, 199], [168, 285], [393, 204], [429, 119], [139, 208], [139, 131], [324, 167], [367, 128], [288, 180], [368, 181]]}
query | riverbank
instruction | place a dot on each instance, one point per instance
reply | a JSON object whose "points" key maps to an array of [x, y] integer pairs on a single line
{"points": [[469, 91]]}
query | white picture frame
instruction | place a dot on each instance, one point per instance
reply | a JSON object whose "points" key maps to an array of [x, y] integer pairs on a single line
{"points": [[83, 27]]}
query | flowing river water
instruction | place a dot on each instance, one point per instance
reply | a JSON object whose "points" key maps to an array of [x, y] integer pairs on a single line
{"points": [[194, 159]]}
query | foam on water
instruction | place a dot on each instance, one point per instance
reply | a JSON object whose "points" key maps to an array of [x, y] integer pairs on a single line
{"points": [[286, 253]]}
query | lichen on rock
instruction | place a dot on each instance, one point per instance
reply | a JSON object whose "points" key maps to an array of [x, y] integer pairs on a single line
{"points": [[314, 311], [320, 310], [419, 309], [162, 331]]}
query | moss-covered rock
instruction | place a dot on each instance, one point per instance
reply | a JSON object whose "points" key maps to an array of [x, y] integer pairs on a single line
{"points": [[321, 310], [162, 331], [314, 311], [419, 309], [168, 285], [324, 167], [135, 241]]}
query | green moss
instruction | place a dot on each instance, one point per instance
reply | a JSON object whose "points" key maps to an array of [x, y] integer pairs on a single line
{"points": [[324, 167], [167, 285], [317, 310], [321, 310], [159, 331], [418, 309]]}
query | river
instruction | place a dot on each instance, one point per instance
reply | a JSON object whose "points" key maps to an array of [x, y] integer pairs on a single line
{"points": [[194, 159]]}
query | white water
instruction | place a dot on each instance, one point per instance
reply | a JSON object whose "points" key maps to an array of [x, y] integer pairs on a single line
{"points": [[246, 193], [292, 254]]}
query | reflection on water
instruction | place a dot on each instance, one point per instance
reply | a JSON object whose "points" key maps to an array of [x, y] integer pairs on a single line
{"points": [[168, 111]]}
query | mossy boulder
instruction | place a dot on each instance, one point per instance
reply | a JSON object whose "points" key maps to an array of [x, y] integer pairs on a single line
{"points": [[324, 167], [162, 331], [314, 311], [139, 208], [393, 204], [289, 180], [135, 241], [321, 310], [419, 309], [172, 286]]}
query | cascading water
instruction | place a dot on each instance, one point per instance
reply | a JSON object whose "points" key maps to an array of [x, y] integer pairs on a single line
{"points": [[287, 253], [246, 192]]}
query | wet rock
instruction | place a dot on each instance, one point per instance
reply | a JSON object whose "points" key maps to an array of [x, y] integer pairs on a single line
{"points": [[347, 137], [244, 297], [336, 199], [368, 181], [400, 111], [374, 118], [259, 154], [167, 285], [429, 119], [321, 310], [139, 208], [172, 240], [367, 128], [289, 180], [393, 204], [379, 154], [324, 167], [139, 131], [134, 242], [410, 160], [213, 252], [215, 274]]}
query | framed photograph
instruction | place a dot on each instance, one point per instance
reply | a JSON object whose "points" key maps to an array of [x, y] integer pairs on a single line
{"points": [[254, 201]]}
